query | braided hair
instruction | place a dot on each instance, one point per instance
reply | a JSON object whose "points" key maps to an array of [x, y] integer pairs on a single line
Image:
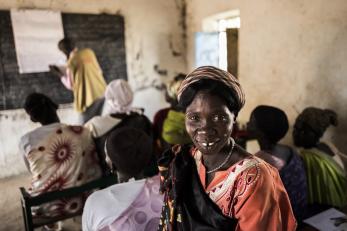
{"points": [[311, 124]]}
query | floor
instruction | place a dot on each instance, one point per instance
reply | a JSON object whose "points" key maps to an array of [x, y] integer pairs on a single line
{"points": [[10, 208]]}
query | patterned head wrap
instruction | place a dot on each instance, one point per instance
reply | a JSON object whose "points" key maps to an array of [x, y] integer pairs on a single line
{"points": [[119, 96], [214, 73], [318, 119]]}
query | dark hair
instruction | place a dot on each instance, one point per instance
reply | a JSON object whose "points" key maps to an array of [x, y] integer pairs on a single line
{"points": [[66, 44], [213, 87], [311, 124], [40, 107], [129, 149], [271, 121], [137, 121]]}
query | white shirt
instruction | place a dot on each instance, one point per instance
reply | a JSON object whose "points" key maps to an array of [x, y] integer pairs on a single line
{"points": [[104, 206], [100, 125]]}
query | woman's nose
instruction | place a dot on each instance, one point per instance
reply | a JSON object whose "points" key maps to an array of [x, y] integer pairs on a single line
{"points": [[206, 128]]}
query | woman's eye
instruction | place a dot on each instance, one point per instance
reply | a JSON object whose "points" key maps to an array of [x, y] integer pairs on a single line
{"points": [[219, 118], [193, 117]]}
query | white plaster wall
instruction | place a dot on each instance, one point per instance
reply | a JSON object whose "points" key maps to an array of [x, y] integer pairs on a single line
{"points": [[153, 36], [292, 54]]}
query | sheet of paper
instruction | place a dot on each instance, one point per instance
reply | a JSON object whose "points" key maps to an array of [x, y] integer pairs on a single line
{"points": [[36, 35], [329, 220]]}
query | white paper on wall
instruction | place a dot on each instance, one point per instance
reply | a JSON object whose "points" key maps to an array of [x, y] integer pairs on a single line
{"points": [[36, 35]]}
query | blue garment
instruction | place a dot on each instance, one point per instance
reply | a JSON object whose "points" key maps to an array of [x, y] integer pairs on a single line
{"points": [[293, 176]]}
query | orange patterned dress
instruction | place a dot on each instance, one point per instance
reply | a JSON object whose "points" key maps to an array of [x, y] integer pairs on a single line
{"points": [[249, 195], [252, 192]]}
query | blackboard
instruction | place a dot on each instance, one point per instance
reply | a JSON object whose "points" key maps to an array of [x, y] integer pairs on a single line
{"points": [[103, 33]]}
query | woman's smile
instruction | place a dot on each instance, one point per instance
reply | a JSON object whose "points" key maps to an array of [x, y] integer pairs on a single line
{"points": [[209, 144]]}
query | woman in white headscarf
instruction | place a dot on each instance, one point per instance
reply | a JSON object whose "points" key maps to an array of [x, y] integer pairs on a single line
{"points": [[118, 100]]}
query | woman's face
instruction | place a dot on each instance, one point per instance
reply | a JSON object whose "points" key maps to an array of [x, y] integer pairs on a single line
{"points": [[209, 122], [252, 128]]}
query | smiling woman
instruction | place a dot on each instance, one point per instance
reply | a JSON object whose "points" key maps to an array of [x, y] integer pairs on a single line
{"points": [[215, 184]]}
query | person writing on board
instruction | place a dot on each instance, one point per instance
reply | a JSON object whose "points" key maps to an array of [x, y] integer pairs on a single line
{"points": [[83, 76]]}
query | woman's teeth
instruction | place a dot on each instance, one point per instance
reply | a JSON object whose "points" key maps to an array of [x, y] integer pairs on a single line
{"points": [[208, 144]]}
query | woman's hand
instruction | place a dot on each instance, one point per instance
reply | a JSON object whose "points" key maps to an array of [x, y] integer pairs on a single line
{"points": [[55, 70]]}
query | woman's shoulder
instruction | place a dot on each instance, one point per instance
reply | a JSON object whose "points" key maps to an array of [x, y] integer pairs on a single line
{"points": [[245, 160], [85, 52], [42, 130], [253, 168], [243, 179], [98, 125]]}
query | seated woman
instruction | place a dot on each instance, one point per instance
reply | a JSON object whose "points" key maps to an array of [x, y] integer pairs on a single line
{"points": [[118, 97], [135, 203], [326, 178], [269, 125], [215, 184], [58, 156], [168, 123]]}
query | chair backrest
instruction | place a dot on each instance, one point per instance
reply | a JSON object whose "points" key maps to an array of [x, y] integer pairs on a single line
{"points": [[29, 201]]}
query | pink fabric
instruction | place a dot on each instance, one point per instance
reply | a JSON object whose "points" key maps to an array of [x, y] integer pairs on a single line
{"points": [[67, 79], [144, 212]]}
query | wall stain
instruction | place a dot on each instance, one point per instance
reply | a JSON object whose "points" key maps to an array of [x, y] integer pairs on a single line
{"points": [[162, 72], [138, 55], [171, 46], [154, 84], [3, 116], [181, 5]]}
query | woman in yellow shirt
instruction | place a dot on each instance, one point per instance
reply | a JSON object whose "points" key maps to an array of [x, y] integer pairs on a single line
{"points": [[83, 76]]}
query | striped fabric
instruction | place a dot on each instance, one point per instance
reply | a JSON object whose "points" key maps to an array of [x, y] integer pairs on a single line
{"points": [[214, 73]]}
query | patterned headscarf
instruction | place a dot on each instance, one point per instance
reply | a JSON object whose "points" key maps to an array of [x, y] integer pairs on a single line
{"points": [[119, 96], [214, 73], [318, 119]]}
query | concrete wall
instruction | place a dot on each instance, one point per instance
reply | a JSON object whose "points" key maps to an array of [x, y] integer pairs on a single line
{"points": [[292, 54], [155, 52]]}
